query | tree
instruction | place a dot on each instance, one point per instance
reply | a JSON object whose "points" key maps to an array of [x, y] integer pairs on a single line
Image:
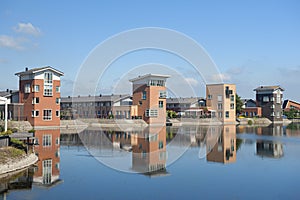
{"points": [[238, 104]]}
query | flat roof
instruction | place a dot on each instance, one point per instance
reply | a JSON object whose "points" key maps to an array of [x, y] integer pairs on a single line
{"points": [[148, 76]]}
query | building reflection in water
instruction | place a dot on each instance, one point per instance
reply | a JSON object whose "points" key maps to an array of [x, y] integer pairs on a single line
{"points": [[149, 154], [221, 144], [271, 149], [47, 149]]}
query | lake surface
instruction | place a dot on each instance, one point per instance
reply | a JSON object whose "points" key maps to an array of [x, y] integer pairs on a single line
{"points": [[225, 162]]}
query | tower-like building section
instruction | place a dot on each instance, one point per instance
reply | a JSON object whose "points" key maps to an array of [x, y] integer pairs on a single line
{"points": [[39, 91], [149, 98]]}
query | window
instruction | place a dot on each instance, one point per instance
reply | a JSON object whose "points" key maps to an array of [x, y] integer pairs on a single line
{"points": [[35, 113], [144, 95], [57, 113], [27, 88], [160, 104], [47, 140], [57, 141], [161, 144], [232, 98], [220, 114], [278, 99], [273, 106], [48, 80], [265, 99], [232, 106], [209, 96], [47, 171], [57, 101], [57, 89], [272, 114], [162, 94], [151, 113], [47, 115], [48, 77], [227, 114], [220, 106], [156, 83], [220, 98], [35, 88], [278, 114], [140, 103], [272, 99], [35, 100], [48, 90]]}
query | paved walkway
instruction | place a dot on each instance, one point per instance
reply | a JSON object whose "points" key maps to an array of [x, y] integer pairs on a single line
{"points": [[18, 164]]}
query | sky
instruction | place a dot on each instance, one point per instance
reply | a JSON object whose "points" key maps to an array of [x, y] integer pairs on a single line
{"points": [[252, 43]]}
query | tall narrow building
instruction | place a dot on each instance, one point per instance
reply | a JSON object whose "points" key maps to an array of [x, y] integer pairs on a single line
{"points": [[149, 97], [269, 98], [220, 99], [39, 91]]}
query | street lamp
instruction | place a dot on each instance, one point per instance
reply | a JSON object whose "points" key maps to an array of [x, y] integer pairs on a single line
{"points": [[6, 101]]}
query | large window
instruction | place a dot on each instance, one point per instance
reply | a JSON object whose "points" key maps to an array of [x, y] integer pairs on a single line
{"points": [[47, 171], [47, 140], [48, 80], [27, 88], [266, 99], [47, 115], [220, 106], [220, 98], [151, 113], [278, 98]]}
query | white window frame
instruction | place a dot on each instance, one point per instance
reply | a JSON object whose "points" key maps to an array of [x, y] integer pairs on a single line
{"points": [[35, 113], [220, 98], [151, 113], [160, 104], [47, 140], [47, 117], [162, 94], [27, 88], [35, 88], [57, 89], [57, 101], [34, 100], [57, 111]]}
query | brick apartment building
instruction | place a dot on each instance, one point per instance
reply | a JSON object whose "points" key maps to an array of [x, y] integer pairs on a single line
{"points": [[149, 97], [220, 99], [269, 98], [289, 104], [39, 91]]}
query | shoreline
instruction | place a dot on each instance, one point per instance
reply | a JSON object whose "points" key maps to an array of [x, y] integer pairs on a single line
{"points": [[18, 164]]}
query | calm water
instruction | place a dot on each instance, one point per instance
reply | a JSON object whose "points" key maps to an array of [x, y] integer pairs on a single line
{"points": [[221, 163]]}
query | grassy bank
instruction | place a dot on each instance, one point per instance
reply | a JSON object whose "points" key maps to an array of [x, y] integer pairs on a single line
{"points": [[9, 154]]}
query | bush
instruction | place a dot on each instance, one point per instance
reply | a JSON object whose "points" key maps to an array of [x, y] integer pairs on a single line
{"points": [[250, 122], [31, 131], [14, 130]]}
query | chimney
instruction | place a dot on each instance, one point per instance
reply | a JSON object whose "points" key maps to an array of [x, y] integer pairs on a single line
{"points": [[10, 91], [26, 69], [100, 95], [69, 97], [7, 90]]}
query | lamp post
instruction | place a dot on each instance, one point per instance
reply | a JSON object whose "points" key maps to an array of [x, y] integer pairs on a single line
{"points": [[6, 112]]}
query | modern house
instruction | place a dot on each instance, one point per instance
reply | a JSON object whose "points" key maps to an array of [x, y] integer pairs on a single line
{"points": [[15, 109], [149, 98], [39, 91], [220, 99], [250, 109], [289, 104], [102, 106], [185, 106], [269, 98]]}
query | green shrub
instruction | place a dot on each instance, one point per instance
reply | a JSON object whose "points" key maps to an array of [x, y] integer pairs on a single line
{"points": [[31, 131], [14, 130], [250, 122]]}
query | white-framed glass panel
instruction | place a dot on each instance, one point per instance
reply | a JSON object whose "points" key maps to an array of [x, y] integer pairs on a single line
{"points": [[35, 100], [266, 99], [47, 140], [160, 104], [35, 113], [47, 171], [47, 115], [57, 101], [27, 88], [151, 113], [57, 89], [162, 94], [57, 113], [35, 88], [220, 98]]}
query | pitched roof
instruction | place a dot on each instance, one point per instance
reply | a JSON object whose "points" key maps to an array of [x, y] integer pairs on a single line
{"points": [[7, 93], [286, 102], [102, 98], [264, 88], [39, 69]]}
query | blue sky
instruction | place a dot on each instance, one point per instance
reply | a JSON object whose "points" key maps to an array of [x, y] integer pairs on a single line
{"points": [[252, 42]]}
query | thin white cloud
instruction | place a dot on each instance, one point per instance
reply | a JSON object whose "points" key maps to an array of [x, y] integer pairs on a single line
{"points": [[11, 42], [27, 28], [192, 81]]}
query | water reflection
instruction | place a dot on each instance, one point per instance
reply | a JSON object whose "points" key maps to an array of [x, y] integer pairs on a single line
{"points": [[149, 153], [47, 148], [221, 147]]}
